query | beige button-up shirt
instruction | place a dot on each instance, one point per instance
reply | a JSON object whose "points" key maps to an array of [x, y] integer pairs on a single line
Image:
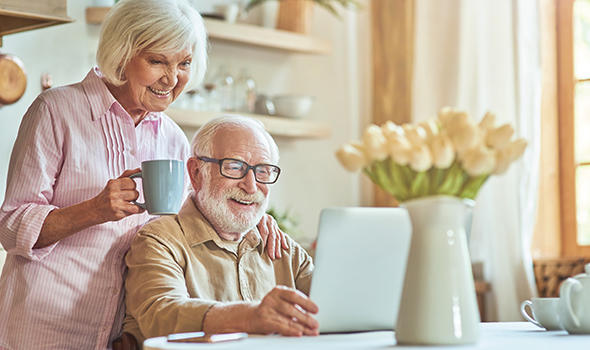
{"points": [[179, 268]]}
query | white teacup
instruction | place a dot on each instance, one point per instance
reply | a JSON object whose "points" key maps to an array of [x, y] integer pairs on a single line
{"points": [[545, 312]]}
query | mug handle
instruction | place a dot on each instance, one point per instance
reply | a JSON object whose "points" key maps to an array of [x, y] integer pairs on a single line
{"points": [[141, 205], [566, 293], [526, 315]]}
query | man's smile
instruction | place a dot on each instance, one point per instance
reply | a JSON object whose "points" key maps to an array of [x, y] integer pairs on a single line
{"points": [[243, 202]]}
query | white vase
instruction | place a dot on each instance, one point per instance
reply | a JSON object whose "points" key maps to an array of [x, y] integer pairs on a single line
{"points": [[438, 304], [270, 12]]}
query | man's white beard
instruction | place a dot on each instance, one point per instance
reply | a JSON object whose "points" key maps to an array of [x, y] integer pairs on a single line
{"points": [[216, 210]]}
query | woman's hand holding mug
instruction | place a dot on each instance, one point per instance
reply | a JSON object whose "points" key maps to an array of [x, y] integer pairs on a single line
{"points": [[113, 203]]}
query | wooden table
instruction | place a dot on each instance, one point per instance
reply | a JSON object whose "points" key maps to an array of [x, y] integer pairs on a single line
{"points": [[503, 336]]}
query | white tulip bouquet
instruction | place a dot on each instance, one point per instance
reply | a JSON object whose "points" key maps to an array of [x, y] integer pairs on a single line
{"points": [[450, 155]]}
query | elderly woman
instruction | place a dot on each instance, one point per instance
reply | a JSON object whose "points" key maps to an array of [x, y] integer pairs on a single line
{"points": [[67, 220]]}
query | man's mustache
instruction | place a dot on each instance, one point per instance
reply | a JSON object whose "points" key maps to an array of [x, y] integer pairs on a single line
{"points": [[239, 194]]}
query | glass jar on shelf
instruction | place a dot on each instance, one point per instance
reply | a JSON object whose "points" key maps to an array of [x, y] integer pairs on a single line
{"points": [[212, 102], [245, 93], [224, 83]]}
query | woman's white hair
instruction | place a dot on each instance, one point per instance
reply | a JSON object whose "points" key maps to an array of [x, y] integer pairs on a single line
{"points": [[160, 26], [203, 139]]}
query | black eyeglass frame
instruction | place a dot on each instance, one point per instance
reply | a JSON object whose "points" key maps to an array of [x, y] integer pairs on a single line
{"points": [[248, 167]]}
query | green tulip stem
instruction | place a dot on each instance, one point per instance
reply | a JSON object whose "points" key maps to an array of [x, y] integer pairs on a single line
{"points": [[403, 183]]}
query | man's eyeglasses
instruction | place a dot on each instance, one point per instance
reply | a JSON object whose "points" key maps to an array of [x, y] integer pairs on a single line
{"points": [[237, 169]]}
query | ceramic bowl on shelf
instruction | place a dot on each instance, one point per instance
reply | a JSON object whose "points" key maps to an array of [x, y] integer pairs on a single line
{"points": [[292, 106]]}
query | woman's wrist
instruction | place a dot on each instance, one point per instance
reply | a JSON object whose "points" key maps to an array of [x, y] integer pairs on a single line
{"points": [[90, 211]]}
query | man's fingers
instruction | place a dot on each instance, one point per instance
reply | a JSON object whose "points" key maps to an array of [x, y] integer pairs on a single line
{"points": [[294, 296], [312, 332], [290, 328], [294, 312]]}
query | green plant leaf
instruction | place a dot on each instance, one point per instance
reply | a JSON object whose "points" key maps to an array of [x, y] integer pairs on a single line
{"points": [[253, 3], [287, 222], [399, 180], [419, 187], [473, 185], [453, 181], [382, 174], [367, 171], [327, 4], [436, 176]]}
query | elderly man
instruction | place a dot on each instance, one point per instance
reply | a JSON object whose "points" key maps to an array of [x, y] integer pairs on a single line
{"points": [[204, 269]]}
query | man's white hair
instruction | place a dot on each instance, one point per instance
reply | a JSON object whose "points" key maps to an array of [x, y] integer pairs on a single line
{"points": [[159, 26], [202, 141]]}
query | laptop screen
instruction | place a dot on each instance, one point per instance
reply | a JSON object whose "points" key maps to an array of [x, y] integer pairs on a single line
{"points": [[360, 263]]}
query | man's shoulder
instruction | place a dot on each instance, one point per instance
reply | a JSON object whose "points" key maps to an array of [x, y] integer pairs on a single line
{"points": [[165, 229], [297, 251]]}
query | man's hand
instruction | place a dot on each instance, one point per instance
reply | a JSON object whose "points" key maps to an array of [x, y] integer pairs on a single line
{"points": [[113, 202], [285, 311], [272, 237]]}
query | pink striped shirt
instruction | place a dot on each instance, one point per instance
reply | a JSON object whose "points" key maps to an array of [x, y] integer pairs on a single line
{"points": [[71, 141]]}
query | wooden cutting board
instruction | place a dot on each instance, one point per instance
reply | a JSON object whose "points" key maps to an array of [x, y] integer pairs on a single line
{"points": [[13, 79]]}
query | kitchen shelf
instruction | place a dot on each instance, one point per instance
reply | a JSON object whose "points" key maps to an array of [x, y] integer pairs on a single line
{"points": [[245, 34], [276, 126], [18, 16]]}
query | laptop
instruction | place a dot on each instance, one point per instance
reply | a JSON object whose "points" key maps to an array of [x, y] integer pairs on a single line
{"points": [[360, 263]]}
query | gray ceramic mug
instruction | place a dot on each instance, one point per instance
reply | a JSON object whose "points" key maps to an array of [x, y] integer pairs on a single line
{"points": [[163, 186]]}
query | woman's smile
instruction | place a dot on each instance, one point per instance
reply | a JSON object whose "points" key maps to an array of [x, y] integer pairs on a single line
{"points": [[160, 93]]}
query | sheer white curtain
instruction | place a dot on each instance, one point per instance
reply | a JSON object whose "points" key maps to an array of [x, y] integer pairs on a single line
{"points": [[482, 55]]}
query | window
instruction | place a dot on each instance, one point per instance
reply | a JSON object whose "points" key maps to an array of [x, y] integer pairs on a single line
{"points": [[582, 118], [573, 43]]}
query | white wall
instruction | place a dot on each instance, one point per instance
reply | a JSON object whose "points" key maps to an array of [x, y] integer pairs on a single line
{"points": [[311, 177]]}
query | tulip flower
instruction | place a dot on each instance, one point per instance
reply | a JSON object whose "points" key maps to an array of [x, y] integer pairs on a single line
{"points": [[479, 161], [464, 136], [351, 158], [399, 149], [443, 153], [430, 127], [516, 149], [390, 129], [487, 123], [499, 137], [415, 134], [452, 155], [374, 142], [453, 117], [420, 158], [508, 154], [445, 115]]}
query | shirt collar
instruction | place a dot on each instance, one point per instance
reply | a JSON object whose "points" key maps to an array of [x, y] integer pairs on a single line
{"points": [[198, 230], [101, 100]]}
